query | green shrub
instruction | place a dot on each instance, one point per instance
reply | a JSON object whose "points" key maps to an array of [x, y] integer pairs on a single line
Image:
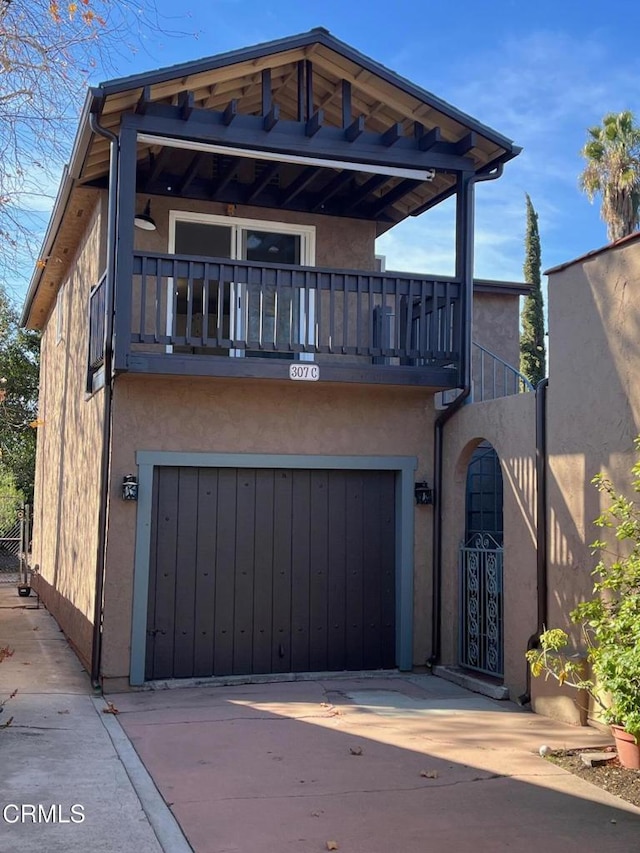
{"points": [[610, 621]]}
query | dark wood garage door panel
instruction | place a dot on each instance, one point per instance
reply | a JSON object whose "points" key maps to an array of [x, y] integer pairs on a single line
{"points": [[259, 570]]}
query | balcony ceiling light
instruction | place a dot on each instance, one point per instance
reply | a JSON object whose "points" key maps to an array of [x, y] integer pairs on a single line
{"points": [[145, 220]]}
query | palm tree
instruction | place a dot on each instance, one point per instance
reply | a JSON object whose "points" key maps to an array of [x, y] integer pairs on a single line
{"points": [[612, 153]]}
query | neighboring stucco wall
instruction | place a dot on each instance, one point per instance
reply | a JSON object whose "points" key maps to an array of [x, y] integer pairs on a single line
{"points": [[509, 424], [68, 451], [593, 407], [217, 415]]}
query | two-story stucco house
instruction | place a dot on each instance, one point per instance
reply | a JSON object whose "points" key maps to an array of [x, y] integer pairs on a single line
{"points": [[238, 405]]}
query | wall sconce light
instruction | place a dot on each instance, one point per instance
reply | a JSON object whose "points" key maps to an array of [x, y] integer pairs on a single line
{"points": [[145, 220], [423, 493], [129, 487]]}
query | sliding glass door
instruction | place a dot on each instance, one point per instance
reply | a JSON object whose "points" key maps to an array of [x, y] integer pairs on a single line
{"points": [[270, 320]]}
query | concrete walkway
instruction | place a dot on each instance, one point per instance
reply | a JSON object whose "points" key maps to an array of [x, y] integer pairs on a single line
{"points": [[57, 752], [402, 764]]}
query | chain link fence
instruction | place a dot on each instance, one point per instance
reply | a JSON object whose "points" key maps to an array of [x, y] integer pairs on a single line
{"points": [[14, 541]]}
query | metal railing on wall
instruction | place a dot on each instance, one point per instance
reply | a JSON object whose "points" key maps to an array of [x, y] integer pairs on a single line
{"points": [[493, 377]]}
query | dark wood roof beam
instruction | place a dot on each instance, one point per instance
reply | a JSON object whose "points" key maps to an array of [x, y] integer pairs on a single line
{"points": [[332, 188], [266, 91], [271, 118], [224, 180], [346, 104], [158, 162], [144, 100], [355, 129], [298, 185], [315, 123], [466, 144], [392, 135], [230, 112], [293, 139], [261, 182], [427, 139], [185, 104], [364, 190], [190, 174], [393, 196], [309, 111], [301, 77]]}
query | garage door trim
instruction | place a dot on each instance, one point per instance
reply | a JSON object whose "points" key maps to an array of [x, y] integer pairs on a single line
{"points": [[404, 466]]}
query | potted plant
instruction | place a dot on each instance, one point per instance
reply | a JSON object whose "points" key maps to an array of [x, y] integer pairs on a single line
{"points": [[610, 626]]}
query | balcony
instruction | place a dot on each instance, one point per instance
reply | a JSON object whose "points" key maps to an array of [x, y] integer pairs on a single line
{"points": [[218, 317]]}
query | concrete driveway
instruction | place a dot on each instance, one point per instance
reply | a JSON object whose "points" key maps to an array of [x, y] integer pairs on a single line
{"points": [[371, 765]]}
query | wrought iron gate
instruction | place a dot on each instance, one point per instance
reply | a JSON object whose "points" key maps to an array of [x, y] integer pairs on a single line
{"points": [[481, 563], [481, 605], [14, 541]]}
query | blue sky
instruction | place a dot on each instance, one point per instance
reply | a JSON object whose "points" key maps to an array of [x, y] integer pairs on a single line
{"points": [[539, 72]]}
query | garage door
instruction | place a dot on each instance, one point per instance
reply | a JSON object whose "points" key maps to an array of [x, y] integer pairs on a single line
{"points": [[265, 571]]}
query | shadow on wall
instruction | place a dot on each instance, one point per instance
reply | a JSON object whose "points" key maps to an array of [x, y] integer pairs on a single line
{"points": [[78, 629], [593, 411]]}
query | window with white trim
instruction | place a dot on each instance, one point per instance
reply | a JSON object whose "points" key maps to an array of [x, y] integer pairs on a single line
{"points": [[250, 312]]}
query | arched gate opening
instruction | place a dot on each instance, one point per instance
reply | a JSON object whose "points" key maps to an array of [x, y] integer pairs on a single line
{"points": [[481, 566]]}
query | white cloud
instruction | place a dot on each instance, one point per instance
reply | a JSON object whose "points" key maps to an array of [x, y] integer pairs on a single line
{"points": [[542, 91]]}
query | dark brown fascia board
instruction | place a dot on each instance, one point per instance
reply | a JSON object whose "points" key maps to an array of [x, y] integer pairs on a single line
{"points": [[502, 288], [318, 35], [482, 285]]}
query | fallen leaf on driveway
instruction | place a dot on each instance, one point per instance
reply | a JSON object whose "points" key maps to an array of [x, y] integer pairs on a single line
{"points": [[429, 774], [332, 845], [110, 709], [355, 750]]}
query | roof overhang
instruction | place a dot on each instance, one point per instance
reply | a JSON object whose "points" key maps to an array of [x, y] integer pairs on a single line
{"points": [[307, 102]]}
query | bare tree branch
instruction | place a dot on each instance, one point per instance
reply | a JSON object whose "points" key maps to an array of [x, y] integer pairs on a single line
{"points": [[48, 50]]}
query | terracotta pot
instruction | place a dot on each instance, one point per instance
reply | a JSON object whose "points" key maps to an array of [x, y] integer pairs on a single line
{"points": [[628, 749]]}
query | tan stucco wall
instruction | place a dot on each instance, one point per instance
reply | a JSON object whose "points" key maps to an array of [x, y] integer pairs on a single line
{"points": [[593, 407], [257, 417], [340, 242], [509, 424], [68, 452], [496, 325]]}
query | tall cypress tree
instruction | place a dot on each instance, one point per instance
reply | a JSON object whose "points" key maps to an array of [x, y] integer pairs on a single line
{"points": [[532, 348]]}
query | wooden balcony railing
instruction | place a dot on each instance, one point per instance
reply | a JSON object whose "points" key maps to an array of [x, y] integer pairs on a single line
{"points": [[212, 306]]}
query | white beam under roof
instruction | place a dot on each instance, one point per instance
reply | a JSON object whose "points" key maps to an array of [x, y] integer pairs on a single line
{"points": [[349, 165]]}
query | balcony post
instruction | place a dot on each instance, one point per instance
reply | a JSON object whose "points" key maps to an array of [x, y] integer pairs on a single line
{"points": [[464, 270], [125, 212]]}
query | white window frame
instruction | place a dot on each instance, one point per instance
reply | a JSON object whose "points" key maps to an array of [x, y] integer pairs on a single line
{"points": [[238, 225]]}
